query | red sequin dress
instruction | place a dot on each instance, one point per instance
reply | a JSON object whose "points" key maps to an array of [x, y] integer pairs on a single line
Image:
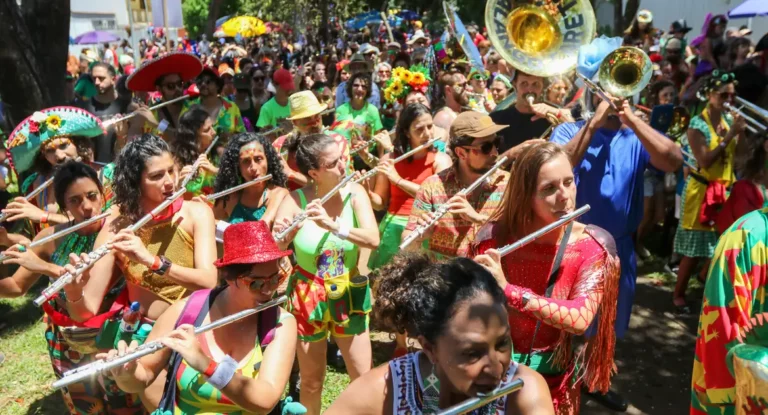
{"points": [[587, 282]]}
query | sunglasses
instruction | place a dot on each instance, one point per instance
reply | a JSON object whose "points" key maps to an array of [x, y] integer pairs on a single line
{"points": [[174, 85], [727, 95], [258, 282], [487, 147]]}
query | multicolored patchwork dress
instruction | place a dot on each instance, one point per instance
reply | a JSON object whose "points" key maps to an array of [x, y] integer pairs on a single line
{"points": [[326, 294], [734, 306]]}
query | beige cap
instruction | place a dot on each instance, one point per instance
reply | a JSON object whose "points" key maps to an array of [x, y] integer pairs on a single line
{"points": [[474, 124]]}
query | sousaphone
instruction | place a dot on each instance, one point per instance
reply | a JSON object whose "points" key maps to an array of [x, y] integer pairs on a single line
{"points": [[543, 37]]}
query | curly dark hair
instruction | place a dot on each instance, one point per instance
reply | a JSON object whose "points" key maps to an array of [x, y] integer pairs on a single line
{"points": [[67, 174], [308, 150], [418, 296], [185, 145], [229, 168], [363, 76], [129, 165], [410, 113], [84, 148], [751, 163]]}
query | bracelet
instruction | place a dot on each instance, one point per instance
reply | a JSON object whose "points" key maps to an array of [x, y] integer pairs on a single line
{"points": [[165, 265], [211, 369], [342, 233], [82, 294], [44, 218], [397, 183], [156, 265], [225, 371]]}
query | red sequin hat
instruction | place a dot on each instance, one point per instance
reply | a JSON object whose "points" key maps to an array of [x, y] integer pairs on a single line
{"points": [[249, 243]]}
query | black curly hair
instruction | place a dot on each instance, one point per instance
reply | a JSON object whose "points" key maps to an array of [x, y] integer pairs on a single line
{"points": [[68, 173], [229, 168], [129, 165], [185, 145], [84, 148], [418, 296], [409, 114]]}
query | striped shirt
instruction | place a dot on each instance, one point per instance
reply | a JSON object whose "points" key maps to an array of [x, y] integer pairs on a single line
{"points": [[453, 233]]}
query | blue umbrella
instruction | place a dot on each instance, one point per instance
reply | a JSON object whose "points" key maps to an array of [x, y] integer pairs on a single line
{"points": [[748, 9], [95, 37], [465, 40], [408, 15], [221, 20]]}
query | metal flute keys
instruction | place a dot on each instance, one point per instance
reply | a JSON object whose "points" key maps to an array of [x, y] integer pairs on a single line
{"points": [[31, 195], [239, 187], [63, 232], [371, 172], [543, 231], [196, 165], [303, 215], [86, 372], [102, 251], [442, 210], [479, 401]]}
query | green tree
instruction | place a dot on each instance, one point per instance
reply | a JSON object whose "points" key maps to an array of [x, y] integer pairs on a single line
{"points": [[200, 15]]}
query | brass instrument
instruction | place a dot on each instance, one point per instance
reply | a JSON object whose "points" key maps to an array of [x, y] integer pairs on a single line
{"points": [[753, 125], [623, 73], [681, 118], [540, 40]]}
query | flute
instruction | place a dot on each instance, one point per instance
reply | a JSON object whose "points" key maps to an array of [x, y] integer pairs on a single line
{"points": [[303, 215], [86, 372], [473, 403], [30, 196], [102, 251], [109, 123], [442, 210], [196, 165], [239, 187], [59, 234], [371, 172], [543, 231]]}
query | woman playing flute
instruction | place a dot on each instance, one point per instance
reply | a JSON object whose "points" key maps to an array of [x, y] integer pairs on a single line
{"points": [[194, 135], [585, 277], [458, 312], [44, 140], [247, 157], [323, 294], [239, 368], [81, 194], [397, 184], [163, 261]]}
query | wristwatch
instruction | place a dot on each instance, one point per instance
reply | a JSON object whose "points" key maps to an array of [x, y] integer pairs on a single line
{"points": [[165, 263]]}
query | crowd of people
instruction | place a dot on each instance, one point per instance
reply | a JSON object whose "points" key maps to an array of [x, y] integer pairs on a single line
{"points": [[378, 179]]}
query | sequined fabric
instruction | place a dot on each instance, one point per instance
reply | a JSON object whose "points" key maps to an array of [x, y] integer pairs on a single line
{"points": [[170, 240]]}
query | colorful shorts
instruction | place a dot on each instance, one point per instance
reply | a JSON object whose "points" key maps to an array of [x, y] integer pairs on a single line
{"points": [[333, 305], [100, 396]]}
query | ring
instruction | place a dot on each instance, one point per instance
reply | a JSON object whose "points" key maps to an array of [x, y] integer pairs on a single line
{"points": [[22, 248]]}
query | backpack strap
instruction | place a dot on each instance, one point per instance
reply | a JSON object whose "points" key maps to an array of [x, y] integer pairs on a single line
{"points": [[193, 307]]}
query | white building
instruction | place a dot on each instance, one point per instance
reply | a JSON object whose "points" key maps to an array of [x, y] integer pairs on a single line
{"points": [[693, 11]]}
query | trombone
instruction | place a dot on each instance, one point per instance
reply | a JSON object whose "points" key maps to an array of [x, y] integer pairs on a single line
{"points": [[753, 125]]}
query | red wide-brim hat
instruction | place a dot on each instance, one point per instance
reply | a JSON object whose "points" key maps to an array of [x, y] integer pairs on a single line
{"points": [[249, 243], [187, 65]]}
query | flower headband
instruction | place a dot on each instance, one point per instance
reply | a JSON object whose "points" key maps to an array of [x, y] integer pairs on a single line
{"points": [[403, 81], [715, 81]]}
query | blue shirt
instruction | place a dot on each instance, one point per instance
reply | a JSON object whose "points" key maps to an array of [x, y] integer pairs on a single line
{"points": [[342, 98], [609, 178]]}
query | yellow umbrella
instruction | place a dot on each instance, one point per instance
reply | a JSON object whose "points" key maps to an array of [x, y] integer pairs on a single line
{"points": [[246, 26]]}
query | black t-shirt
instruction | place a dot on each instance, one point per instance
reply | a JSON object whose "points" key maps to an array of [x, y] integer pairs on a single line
{"points": [[104, 145], [752, 81], [520, 129]]}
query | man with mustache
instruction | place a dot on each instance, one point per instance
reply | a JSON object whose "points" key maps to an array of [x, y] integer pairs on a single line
{"points": [[453, 86]]}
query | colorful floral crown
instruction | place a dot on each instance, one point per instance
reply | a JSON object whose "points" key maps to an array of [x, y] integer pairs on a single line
{"points": [[716, 80], [403, 81]]}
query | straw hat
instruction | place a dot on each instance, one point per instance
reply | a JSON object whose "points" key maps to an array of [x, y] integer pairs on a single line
{"points": [[304, 104]]}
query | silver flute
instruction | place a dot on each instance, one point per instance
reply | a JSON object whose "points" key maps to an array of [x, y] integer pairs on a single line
{"points": [[371, 172], [31, 195], [238, 188], [102, 251], [689, 160], [442, 210], [303, 215], [109, 123], [63, 232], [471, 404], [543, 231], [196, 165], [90, 370]]}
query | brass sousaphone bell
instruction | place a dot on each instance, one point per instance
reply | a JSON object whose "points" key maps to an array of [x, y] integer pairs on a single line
{"points": [[543, 37]]}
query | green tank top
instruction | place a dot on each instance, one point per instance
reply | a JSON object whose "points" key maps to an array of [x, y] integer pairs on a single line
{"points": [[243, 213], [321, 252]]}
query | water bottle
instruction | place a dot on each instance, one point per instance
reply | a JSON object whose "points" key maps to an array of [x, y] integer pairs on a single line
{"points": [[131, 319]]}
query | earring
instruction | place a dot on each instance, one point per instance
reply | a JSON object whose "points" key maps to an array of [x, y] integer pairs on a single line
{"points": [[431, 392]]}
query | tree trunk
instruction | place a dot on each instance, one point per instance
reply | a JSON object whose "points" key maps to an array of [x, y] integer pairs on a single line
{"points": [[325, 34], [630, 11], [618, 17], [213, 13], [33, 66]]}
